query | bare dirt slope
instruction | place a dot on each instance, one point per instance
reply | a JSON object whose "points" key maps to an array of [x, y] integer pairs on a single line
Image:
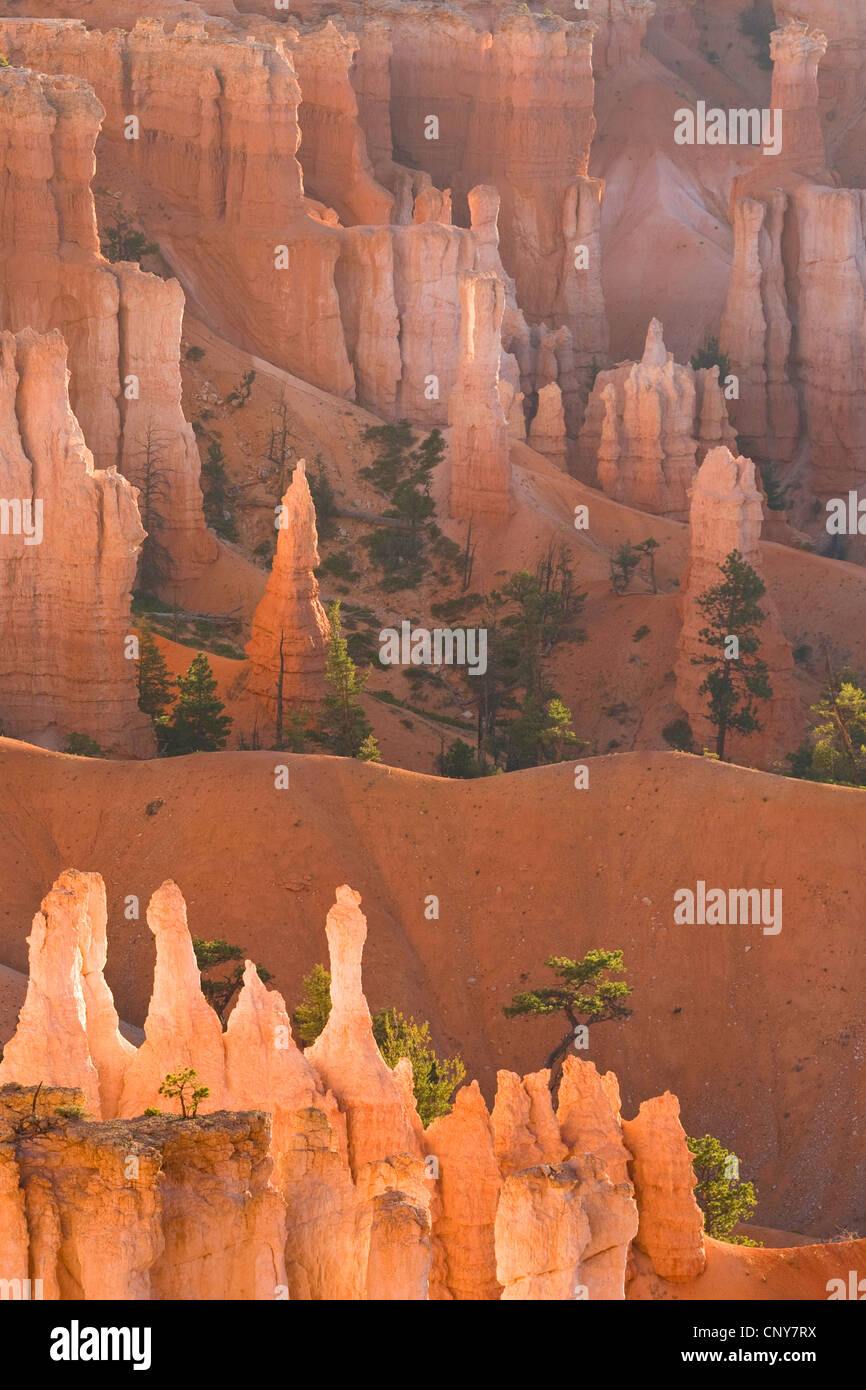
{"points": [[760, 1036], [737, 1273]]}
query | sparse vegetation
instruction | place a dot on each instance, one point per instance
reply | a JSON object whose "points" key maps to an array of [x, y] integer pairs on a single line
{"points": [[73, 1110], [434, 1079], [313, 1012], [679, 735], [835, 749], [711, 355], [402, 471], [154, 566], [343, 726], [242, 392], [217, 512]]}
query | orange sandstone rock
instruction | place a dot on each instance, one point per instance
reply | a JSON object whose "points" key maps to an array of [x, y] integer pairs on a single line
{"points": [[288, 647], [345, 1054], [121, 326], [181, 1029], [68, 554], [671, 1222], [480, 468], [647, 427]]}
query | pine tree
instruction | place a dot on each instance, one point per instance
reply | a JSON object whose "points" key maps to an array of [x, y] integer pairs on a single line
{"points": [[312, 1013], [219, 991], [836, 748], [343, 724], [154, 682], [197, 723], [154, 566], [583, 997], [733, 683], [720, 1194], [434, 1079]]}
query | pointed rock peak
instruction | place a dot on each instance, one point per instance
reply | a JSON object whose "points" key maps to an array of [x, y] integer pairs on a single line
{"points": [[655, 353], [166, 910], [297, 537], [346, 930], [723, 473]]}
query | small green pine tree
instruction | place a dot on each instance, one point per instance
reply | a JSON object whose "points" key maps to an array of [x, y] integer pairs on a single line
{"points": [[83, 746], [197, 724], [175, 1086], [343, 725], [154, 682], [733, 684], [312, 1013], [720, 1194], [434, 1079], [220, 990]]}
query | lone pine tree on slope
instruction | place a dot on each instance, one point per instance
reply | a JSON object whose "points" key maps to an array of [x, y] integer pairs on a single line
{"points": [[736, 675]]}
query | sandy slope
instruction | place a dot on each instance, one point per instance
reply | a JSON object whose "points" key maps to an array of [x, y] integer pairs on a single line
{"points": [[760, 1036], [736, 1272]]}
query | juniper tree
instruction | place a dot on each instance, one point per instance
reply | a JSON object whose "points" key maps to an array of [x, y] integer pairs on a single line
{"points": [[736, 675], [583, 996]]}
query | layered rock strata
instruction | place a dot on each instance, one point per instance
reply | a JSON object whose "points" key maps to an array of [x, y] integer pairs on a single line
{"points": [[121, 325], [795, 318]]}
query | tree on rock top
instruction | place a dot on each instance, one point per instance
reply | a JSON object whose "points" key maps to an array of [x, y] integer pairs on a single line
{"points": [[197, 723], [583, 996]]}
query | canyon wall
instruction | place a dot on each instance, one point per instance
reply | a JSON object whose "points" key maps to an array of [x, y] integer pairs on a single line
{"points": [[272, 269], [70, 535], [338, 1192], [795, 319], [478, 447], [534, 148], [121, 326]]}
